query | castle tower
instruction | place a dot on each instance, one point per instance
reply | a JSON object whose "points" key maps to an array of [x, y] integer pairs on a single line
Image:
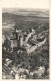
{"points": [[20, 41]]}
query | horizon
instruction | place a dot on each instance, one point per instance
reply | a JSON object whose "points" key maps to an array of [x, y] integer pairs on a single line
{"points": [[22, 10]]}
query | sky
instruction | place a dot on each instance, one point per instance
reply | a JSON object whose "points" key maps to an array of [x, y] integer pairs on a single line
{"points": [[42, 4]]}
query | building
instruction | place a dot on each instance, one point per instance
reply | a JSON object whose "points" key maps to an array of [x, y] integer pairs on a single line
{"points": [[29, 34], [16, 39]]}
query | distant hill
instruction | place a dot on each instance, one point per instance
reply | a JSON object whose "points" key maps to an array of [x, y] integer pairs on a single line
{"points": [[8, 16], [25, 20], [22, 21], [28, 12]]}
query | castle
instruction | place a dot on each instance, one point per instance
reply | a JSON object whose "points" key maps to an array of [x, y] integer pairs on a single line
{"points": [[28, 41], [18, 38]]}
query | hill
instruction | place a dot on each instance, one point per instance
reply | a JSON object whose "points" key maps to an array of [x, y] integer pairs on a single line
{"points": [[21, 21]]}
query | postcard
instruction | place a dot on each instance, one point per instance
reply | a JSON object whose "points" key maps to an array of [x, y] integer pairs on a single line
{"points": [[25, 40]]}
